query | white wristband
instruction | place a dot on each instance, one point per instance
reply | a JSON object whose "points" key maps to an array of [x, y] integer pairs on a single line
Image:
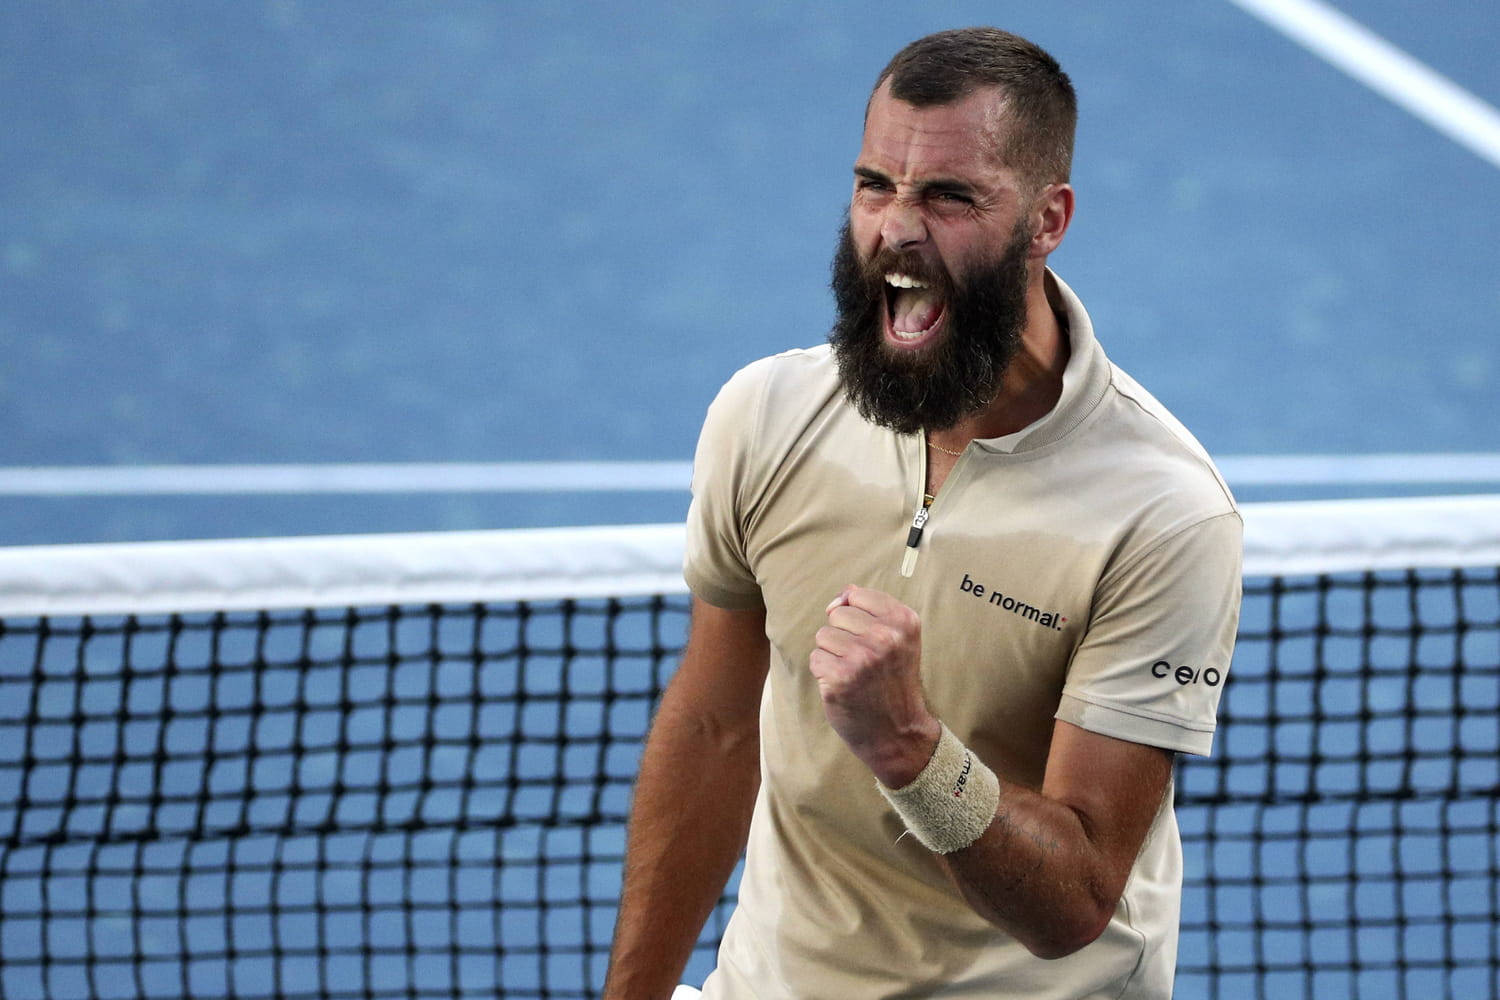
{"points": [[952, 801]]}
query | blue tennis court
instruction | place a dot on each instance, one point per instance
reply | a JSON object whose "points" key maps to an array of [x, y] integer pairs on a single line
{"points": [[306, 233]]}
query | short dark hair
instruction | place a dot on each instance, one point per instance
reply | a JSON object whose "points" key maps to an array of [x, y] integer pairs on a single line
{"points": [[949, 65]]}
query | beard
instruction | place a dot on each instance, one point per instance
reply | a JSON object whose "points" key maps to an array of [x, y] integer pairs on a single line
{"points": [[984, 312]]}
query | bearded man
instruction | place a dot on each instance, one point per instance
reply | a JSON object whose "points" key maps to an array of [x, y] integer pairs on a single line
{"points": [[962, 589]]}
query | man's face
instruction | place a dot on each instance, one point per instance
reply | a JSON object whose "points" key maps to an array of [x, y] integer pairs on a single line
{"points": [[931, 272]]}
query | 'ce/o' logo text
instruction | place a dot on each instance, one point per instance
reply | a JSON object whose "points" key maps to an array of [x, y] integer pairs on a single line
{"points": [[1186, 675]]}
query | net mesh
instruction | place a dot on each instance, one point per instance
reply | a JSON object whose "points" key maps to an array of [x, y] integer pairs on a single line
{"points": [[389, 802], [1341, 842], [428, 799]]}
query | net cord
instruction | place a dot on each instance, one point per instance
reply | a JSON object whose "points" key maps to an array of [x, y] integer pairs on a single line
{"points": [[1303, 537]]}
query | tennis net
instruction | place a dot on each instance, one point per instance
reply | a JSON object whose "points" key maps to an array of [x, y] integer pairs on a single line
{"points": [[399, 766]]}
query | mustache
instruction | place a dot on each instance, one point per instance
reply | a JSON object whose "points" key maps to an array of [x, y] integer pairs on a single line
{"points": [[908, 262]]}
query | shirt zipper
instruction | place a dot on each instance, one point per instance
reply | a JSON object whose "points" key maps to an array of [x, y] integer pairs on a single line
{"points": [[914, 535]]}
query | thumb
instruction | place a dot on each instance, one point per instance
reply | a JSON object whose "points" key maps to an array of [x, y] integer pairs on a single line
{"points": [[840, 601]]}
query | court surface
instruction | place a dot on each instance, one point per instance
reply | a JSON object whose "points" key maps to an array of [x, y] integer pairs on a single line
{"points": [[305, 233]]}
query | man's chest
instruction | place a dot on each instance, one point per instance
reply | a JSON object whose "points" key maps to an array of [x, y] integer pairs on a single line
{"points": [[1002, 582]]}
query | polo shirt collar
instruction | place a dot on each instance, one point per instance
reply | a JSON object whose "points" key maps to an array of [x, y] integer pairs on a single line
{"points": [[1084, 379]]}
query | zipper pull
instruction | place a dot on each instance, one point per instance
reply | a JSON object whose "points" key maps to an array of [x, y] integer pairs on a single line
{"points": [[914, 536]]}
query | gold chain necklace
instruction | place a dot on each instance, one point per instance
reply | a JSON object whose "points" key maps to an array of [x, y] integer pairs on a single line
{"points": [[945, 451]]}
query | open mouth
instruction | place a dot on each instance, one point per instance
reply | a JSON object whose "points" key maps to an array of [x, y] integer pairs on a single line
{"points": [[914, 311]]}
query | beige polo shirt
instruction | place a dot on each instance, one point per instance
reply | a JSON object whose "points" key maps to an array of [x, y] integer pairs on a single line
{"points": [[1089, 573]]}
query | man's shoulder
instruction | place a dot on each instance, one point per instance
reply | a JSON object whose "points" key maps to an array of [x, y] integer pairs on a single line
{"points": [[1149, 447], [797, 366], [775, 383]]}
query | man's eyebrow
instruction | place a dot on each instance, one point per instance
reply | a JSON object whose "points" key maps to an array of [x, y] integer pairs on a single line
{"points": [[947, 185], [935, 185]]}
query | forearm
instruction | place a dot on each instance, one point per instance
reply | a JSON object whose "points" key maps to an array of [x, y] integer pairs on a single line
{"points": [[1036, 874], [1047, 866], [1032, 871], [688, 824]]}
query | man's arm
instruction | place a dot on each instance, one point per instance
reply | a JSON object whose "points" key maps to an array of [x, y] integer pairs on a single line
{"points": [[1050, 867], [693, 799]]}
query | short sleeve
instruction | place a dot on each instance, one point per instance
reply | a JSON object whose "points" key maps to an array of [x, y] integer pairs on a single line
{"points": [[715, 564], [1155, 659]]}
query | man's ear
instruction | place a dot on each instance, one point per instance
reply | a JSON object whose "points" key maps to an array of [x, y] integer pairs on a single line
{"points": [[1052, 211]]}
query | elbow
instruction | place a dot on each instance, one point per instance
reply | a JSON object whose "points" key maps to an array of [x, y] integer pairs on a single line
{"points": [[1078, 922], [1069, 935]]}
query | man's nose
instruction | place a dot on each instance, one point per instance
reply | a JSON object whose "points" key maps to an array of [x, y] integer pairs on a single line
{"points": [[902, 225]]}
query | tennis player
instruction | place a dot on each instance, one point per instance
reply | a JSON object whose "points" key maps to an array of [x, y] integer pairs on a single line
{"points": [[962, 590]]}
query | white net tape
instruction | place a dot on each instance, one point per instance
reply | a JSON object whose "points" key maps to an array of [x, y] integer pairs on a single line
{"points": [[444, 567]]}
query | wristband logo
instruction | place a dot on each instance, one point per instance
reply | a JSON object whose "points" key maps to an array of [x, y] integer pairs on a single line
{"points": [[963, 775], [1185, 675]]}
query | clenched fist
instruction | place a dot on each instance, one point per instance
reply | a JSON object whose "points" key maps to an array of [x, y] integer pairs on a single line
{"points": [[867, 662]]}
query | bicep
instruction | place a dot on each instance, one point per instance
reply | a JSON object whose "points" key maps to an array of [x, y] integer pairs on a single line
{"points": [[723, 668], [1113, 786]]}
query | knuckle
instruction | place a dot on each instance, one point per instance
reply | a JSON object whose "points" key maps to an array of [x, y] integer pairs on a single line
{"points": [[834, 686], [885, 638]]}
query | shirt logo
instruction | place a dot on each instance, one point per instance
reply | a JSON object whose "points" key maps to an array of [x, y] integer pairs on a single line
{"points": [[1054, 620], [1186, 675]]}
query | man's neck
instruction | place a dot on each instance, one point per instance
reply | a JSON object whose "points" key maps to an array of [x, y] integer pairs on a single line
{"points": [[1032, 382]]}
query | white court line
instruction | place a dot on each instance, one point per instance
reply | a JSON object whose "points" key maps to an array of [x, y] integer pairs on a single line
{"points": [[347, 477], [640, 477], [1426, 468], [1386, 70]]}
